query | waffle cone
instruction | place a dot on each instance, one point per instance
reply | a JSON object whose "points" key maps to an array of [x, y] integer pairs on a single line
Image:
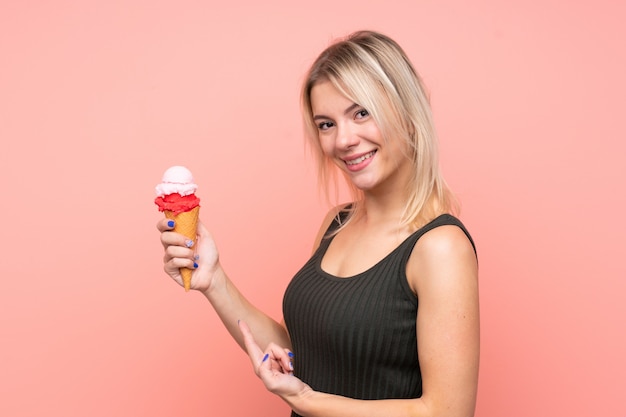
{"points": [[186, 223]]}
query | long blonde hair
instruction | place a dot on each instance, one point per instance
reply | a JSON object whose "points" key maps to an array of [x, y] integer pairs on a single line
{"points": [[372, 70]]}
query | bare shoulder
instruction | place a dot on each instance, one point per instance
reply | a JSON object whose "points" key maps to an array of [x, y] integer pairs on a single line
{"points": [[448, 240], [443, 255]]}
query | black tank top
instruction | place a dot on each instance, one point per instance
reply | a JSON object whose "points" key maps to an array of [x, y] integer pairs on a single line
{"points": [[355, 336]]}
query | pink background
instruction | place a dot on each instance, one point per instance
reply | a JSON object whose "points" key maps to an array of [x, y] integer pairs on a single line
{"points": [[98, 98]]}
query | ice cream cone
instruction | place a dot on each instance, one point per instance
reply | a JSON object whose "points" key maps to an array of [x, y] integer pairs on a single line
{"points": [[186, 223], [177, 199]]}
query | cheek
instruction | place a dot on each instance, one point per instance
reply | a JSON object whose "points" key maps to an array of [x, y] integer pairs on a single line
{"points": [[374, 133], [326, 145]]}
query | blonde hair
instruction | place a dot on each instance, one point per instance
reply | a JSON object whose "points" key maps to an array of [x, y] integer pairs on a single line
{"points": [[372, 70]]}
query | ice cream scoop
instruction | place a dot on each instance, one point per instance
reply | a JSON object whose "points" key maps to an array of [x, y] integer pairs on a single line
{"points": [[176, 198], [176, 179]]}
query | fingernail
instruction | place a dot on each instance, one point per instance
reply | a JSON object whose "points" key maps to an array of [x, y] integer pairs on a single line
{"points": [[290, 354], [196, 257], [189, 243], [170, 223], [267, 355], [291, 365], [238, 321], [195, 265]]}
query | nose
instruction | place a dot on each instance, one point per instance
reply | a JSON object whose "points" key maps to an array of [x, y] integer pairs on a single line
{"points": [[347, 136]]}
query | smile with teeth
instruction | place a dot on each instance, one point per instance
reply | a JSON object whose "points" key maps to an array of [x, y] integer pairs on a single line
{"points": [[360, 158]]}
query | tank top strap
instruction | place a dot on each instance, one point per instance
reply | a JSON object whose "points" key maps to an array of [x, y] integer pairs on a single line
{"points": [[333, 226], [442, 220]]}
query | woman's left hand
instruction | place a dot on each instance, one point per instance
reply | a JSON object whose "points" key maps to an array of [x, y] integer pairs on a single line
{"points": [[274, 366]]}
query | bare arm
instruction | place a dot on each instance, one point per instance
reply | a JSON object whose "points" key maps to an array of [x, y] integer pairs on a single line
{"points": [[211, 280], [231, 306], [448, 324]]}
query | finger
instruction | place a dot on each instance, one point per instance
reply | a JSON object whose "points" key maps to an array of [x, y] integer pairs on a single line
{"points": [[291, 358], [282, 356], [174, 251], [254, 351], [176, 257], [172, 266], [170, 238], [165, 224]]}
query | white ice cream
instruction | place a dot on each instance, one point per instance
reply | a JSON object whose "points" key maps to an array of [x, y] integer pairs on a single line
{"points": [[176, 179]]}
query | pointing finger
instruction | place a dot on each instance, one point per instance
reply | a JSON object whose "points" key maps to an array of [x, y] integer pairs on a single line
{"points": [[254, 351]]}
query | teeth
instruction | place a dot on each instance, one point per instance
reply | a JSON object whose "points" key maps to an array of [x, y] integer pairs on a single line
{"points": [[360, 159]]}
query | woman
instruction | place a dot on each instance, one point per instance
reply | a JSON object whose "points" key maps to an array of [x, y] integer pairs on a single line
{"points": [[383, 319]]}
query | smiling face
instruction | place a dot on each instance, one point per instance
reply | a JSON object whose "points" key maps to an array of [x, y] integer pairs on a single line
{"points": [[388, 138], [351, 139]]}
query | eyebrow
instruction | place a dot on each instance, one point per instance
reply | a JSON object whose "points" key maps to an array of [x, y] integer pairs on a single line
{"points": [[346, 111]]}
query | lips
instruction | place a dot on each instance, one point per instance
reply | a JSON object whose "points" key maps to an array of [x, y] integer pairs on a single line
{"points": [[360, 159]]}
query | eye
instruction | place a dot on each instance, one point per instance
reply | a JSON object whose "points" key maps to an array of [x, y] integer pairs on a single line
{"points": [[324, 125], [361, 114]]}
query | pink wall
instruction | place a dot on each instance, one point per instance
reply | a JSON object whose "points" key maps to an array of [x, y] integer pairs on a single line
{"points": [[97, 98]]}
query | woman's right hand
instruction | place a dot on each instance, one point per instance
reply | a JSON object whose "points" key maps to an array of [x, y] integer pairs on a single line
{"points": [[202, 258]]}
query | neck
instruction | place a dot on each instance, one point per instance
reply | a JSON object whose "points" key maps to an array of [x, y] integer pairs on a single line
{"points": [[389, 210], [381, 210]]}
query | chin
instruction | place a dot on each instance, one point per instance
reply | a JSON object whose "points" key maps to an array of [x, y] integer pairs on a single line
{"points": [[363, 186]]}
